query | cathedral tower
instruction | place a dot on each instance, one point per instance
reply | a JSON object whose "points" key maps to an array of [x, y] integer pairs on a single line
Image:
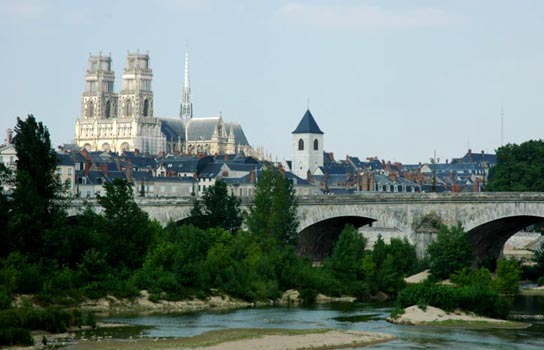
{"points": [[307, 146], [99, 101], [136, 97], [186, 105]]}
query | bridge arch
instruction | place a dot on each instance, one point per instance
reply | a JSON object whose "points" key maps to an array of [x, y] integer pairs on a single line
{"points": [[317, 240], [488, 239]]}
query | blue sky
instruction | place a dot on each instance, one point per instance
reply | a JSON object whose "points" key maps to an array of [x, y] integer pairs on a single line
{"points": [[393, 79]]}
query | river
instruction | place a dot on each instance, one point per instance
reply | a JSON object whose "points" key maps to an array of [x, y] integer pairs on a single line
{"points": [[357, 316]]}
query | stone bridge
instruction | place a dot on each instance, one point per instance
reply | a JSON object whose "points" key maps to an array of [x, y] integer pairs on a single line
{"points": [[490, 218]]}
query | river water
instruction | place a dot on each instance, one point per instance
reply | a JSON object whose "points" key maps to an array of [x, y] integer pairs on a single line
{"points": [[358, 316]]}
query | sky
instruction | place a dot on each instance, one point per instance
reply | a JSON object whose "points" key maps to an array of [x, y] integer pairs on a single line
{"points": [[399, 80]]}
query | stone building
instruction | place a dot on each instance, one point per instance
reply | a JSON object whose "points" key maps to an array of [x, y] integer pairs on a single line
{"points": [[124, 121], [121, 121], [307, 143]]}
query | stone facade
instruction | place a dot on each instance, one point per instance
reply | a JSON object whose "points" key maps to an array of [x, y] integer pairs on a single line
{"points": [[116, 122]]}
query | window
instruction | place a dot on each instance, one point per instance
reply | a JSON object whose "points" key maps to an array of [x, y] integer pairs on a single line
{"points": [[90, 109], [108, 109], [316, 145], [146, 108], [128, 108], [69, 171], [301, 145], [59, 171]]}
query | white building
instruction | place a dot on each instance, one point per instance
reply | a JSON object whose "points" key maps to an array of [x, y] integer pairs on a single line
{"points": [[307, 145]]}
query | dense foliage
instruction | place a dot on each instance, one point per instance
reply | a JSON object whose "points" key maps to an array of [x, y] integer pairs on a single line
{"points": [[450, 252], [518, 168], [218, 208], [273, 213], [482, 301]]}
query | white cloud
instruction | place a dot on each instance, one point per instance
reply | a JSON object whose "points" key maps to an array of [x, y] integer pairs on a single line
{"points": [[365, 16], [22, 9]]}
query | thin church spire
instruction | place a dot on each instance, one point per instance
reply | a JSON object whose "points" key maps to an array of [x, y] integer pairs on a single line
{"points": [[186, 105]]}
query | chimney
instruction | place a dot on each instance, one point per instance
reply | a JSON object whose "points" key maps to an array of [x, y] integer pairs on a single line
{"points": [[9, 136], [331, 156], [393, 177], [252, 176], [476, 185], [136, 152], [365, 182], [105, 169], [308, 175]]}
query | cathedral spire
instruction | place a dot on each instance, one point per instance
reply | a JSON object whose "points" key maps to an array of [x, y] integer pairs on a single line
{"points": [[186, 106]]}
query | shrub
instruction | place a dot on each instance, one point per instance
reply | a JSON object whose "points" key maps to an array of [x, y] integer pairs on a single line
{"points": [[5, 299], [508, 275], [481, 301], [11, 336], [540, 281]]}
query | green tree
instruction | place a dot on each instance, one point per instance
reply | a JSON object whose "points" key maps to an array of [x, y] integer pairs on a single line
{"points": [[347, 255], [218, 208], [538, 259], [127, 229], [518, 168], [37, 188], [508, 274], [450, 252], [5, 211], [273, 212]]}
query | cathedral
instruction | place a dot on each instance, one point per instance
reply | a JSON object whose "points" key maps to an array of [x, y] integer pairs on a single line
{"points": [[123, 121]]}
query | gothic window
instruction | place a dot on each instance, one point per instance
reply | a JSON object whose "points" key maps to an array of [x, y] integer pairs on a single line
{"points": [[316, 145], [128, 108], [90, 109], [108, 109], [301, 145], [146, 108]]}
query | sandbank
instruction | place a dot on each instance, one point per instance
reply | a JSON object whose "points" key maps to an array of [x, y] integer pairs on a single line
{"points": [[433, 316], [246, 339]]}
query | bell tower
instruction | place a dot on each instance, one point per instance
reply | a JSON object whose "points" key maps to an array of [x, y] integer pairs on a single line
{"points": [[307, 143], [99, 101], [136, 97]]}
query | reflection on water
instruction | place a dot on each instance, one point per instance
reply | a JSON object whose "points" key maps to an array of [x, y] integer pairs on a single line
{"points": [[367, 317]]}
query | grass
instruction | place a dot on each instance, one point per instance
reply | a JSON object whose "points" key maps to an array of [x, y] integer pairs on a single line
{"points": [[477, 324]]}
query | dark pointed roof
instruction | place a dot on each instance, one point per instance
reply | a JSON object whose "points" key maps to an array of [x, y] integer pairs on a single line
{"points": [[307, 125]]}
